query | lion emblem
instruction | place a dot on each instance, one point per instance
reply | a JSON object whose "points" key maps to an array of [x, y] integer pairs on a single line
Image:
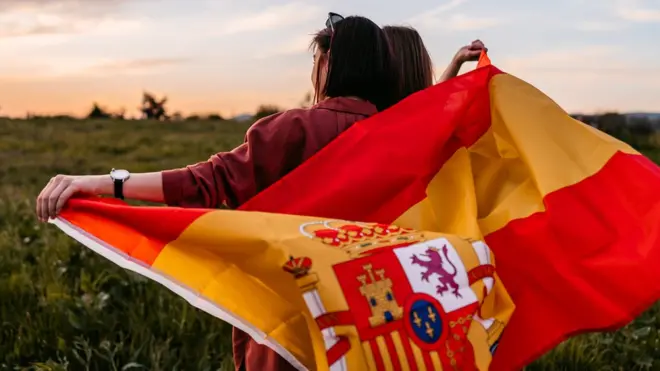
{"points": [[446, 280]]}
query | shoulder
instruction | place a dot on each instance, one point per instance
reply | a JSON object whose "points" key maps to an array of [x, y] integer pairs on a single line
{"points": [[290, 119], [285, 126]]}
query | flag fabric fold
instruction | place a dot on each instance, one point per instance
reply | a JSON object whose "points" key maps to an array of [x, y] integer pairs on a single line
{"points": [[572, 214], [324, 294]]}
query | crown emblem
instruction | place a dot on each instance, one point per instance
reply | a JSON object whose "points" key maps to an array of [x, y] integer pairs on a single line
{"points": [[354, 236], [298, 267], [377, 289]]}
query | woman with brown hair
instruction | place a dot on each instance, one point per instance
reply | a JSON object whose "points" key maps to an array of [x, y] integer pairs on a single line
{"points": [[414, 62], [354, 77]]}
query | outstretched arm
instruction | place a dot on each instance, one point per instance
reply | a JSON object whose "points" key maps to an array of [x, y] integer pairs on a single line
{"points": [[145, 187], [271, 149], [465, 54]]}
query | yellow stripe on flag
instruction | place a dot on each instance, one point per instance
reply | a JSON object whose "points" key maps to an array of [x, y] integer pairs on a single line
{"points": [[516, 163]]}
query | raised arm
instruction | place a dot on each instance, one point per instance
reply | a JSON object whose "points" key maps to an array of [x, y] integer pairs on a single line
{"points": [[273, 147], [465, 54]]}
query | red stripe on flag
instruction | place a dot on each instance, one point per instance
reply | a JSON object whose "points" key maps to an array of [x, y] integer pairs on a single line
{"points": [[332, 319], [480, 272], [341, 347], [455, 113], [405, 341], [592, 259], [427, 361], [141, 232], [393, 353], [378, 358]]}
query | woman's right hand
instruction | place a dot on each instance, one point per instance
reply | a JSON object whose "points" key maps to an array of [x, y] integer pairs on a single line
{"points": [[470, 52], [60, 189]]}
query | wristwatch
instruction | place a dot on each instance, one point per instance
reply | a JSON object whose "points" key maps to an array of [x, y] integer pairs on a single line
{"points": [[119, 176]]}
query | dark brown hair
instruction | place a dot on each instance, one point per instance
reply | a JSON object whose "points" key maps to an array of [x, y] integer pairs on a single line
{"points": [[360, 62], [412, 59]]}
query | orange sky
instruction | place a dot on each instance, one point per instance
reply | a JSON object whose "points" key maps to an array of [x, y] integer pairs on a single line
{"points": [[59, 56]]}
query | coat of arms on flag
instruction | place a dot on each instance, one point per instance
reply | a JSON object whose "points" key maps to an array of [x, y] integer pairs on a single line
{"points": [[410, 302], [340, 295]]}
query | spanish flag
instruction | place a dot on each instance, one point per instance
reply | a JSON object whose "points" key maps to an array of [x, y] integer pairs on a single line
{"points": [[325, 294], [572, 214]]}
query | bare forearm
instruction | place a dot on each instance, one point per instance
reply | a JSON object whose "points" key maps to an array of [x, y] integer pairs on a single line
{"points": [[451, 71], [141, 186]]}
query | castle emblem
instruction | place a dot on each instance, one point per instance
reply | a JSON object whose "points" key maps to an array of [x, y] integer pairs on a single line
{"points": [[377, 289]]}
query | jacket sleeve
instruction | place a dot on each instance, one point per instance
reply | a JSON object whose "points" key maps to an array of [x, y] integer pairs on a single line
{"points": [[273, 146]]}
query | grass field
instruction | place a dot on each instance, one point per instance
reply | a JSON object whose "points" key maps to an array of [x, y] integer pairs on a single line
{"points": [[64, 307]]}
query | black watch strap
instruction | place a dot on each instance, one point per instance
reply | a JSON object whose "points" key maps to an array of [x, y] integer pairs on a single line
{"points": [[119, 188]]}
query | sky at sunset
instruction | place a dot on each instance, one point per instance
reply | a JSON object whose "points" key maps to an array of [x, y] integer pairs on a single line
{"points": [[229, 56]]}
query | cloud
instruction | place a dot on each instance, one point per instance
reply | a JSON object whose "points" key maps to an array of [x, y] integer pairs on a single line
{"points": [[601, 64], [23, 18], [598, 26], [461, 22], [636, 11], [71, 7], [140, 64], [293, 46], [39, 29], [431, 18], [436, 12], [590, 78], [443, 17], [278, 16], [591, 57]]}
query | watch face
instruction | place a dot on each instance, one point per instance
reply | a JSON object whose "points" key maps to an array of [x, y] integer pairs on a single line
{"points": [[119, 174]]}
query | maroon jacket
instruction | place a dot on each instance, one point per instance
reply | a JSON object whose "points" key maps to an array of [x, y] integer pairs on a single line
{"points": [[273, 147]]}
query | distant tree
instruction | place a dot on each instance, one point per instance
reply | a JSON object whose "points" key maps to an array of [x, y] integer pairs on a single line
{"points": [[306, 101], [613, 124], [641, 126], [119, 115], [64, 117], [193, 117], [214, 117], [153, 109], [98, 113], [638, 132], [266, 110], [177, 116]]}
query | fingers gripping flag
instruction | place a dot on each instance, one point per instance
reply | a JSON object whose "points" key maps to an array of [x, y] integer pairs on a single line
{"points": [[324, 294]]}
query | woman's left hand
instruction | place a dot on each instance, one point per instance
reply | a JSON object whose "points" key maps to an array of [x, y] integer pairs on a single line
{"points": [[470, 52], [60, 189]]}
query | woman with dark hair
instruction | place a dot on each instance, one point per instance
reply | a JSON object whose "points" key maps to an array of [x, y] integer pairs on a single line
{"points": [[354, 78], [414, 62]]}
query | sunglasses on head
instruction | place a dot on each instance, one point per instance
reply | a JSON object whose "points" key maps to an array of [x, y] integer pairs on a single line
{"points": [[333, 19]]}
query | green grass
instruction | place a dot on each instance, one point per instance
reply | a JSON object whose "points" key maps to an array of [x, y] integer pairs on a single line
{"points": [[64, 307]]}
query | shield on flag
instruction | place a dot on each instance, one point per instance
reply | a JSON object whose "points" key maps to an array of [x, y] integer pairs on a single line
{"points": [[411, 305]]}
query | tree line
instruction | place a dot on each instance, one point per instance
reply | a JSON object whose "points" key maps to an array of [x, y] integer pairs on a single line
{"points": [[153, 108], [639, 131]]}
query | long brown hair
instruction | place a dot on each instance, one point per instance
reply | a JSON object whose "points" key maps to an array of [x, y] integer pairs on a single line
{"points": [[412, 59], [361, 63]]}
